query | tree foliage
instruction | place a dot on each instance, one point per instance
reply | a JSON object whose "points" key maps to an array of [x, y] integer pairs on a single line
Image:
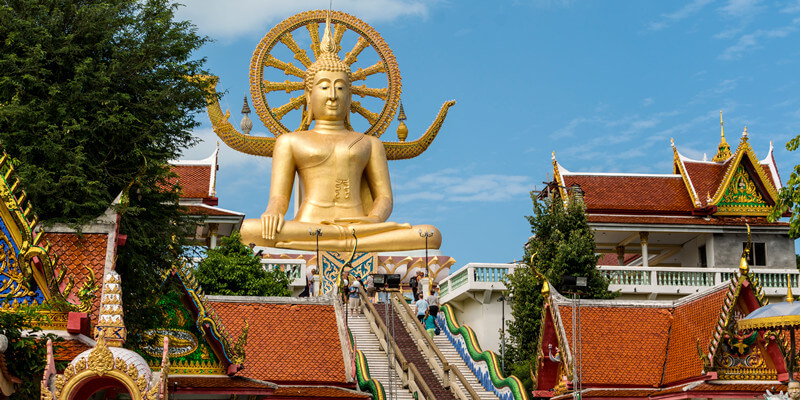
{"points": [[789, 196], [233, 270], [28, 352], [562, 244], [94, 101]]}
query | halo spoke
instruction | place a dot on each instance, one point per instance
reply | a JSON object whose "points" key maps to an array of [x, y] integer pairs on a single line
{"points": [[363, 90], [339, 30], [299, 54], [287, 68], [352, 55], [356, 106], [294, 104], [363, 73], [288, 86], [313, 31]]}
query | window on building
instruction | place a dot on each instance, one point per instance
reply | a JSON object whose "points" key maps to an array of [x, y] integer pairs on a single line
{"points": [[701, 251], [758, 254]]}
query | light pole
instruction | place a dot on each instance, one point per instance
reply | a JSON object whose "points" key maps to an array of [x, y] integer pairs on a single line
{"points": [[503, 297], [426, 235], [317, 233]]}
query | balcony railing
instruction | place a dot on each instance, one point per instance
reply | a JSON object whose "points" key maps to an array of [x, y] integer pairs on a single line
{"points": [[682, 280], [629, 280], [295, 270]]}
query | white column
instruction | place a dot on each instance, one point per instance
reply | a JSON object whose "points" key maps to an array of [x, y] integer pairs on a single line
{"points": [[645, 257]]}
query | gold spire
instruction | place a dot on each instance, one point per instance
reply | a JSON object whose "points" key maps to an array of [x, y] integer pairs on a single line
{"points": [[743, 268], [326, 44], [402, 129], [723, 150], [789, 296]]}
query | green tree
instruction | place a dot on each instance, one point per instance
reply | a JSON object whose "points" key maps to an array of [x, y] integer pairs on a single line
{"points": [[94, 101], [789, 196], [233, 270], [28, 352], [562, 244]]}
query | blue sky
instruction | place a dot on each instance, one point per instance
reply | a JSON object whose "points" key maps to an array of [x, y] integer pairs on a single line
{"points": [[603, 84]]}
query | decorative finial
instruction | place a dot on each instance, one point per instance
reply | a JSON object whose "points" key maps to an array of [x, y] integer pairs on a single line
{"points": [[672, 142], [402, 129], [743, 268], [247, 124], [326, 44], [789, 296], [723, 150], [744, 134], [554, 155]]}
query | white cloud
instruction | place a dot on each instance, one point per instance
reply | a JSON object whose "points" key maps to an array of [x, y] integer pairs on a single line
{"points": [[647, 102], [451, 185], [792, 8], [741, 8], [752, 41], [234, 18], [683, 13]]}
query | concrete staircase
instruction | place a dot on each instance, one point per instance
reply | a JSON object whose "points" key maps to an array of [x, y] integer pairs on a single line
{"points": [[379, 367], [451, 356]]}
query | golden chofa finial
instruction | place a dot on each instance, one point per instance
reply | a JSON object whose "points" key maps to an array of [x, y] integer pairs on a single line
{"points": [[789, 296], [402, 129], [723, 150], [744, 134], [743, 268]]}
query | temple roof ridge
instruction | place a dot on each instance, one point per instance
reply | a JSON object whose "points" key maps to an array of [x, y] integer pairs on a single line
{"points": [[680, 160], [562, 300], [769, 161], [210, 160]]}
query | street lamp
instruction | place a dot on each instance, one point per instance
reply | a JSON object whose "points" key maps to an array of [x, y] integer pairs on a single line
{"points": [[426, 235], [317, 233], [503, 298]]}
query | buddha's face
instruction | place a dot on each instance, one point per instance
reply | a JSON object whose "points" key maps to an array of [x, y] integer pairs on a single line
{"points": [[329, 98], [793, 390]]}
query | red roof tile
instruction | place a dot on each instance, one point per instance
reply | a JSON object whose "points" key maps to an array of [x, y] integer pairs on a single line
{"points": [[194, 180], [200, 210], [219, 382], [287, 343], [68, 350], [649, 346], [681, 220], [706, 177], [319, 392], [76, 254], [634, 194], [693, 324], [621, 345]]}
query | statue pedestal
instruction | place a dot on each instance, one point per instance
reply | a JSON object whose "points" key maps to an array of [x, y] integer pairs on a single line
{"points": [[404, 263]]}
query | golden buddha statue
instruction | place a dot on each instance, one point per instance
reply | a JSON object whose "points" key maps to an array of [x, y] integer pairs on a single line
{"points": [[344, 176]]}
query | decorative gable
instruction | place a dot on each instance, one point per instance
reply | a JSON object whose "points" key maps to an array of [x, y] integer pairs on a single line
{"points": [[198, 341], [745, 188]]}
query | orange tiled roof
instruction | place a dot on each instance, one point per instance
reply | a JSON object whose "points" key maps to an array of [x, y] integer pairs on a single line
{"points": [[194, 180], [682, 220], [287, 343], [621, 345], [69, 349], [632, 193], [319, 392], [219, 382], [693, 323], [78, 252], [706, 177], [630, 344], [208, 210]]}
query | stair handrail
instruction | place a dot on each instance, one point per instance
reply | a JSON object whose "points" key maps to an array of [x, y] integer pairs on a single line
{"points": [[475, 353], [365, 380], [431, 347], [406, 367]]}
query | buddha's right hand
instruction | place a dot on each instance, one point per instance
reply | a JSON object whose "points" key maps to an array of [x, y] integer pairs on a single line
{"points": [[271, 224]]}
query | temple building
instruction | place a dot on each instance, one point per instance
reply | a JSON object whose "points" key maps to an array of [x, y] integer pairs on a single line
{"points": [[668, 235]]}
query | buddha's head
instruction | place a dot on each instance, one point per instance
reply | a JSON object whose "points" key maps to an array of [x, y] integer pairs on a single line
{"points": [[327, 84], [793, 390]]}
